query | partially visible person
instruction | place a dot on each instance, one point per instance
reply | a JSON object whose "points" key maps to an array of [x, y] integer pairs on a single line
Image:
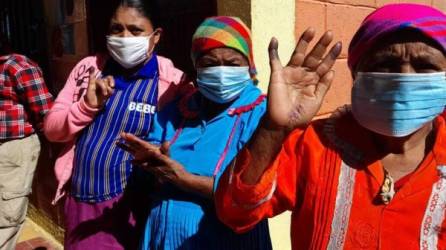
{"points": [[24, 100], [371, 177], [199, 136], [105, 95]]}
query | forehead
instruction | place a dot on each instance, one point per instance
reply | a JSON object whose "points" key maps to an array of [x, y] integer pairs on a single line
{"points": [[223, 52], [407, 49], [406, 37], [130, 15], [403, 43]]}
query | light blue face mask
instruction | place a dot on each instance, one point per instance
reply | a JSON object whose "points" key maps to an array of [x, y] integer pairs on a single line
{"points": [[222, 84], [396, 104]]}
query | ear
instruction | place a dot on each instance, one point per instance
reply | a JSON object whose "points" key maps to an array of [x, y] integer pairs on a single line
{"points": [[155, 38], [157, 35]]}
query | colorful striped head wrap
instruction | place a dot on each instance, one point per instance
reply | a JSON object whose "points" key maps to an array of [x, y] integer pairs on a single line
{"points": [[392, 18], [223, 32]]}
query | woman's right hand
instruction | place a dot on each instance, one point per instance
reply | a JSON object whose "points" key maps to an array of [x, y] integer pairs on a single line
{"points": [[296, 91], [99, 90]]}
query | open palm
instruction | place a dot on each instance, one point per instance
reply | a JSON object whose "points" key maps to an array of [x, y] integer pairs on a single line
{"points": [[296, 91]]}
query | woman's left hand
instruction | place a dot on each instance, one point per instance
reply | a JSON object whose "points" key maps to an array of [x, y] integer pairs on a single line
{"points": [[154, 159]]}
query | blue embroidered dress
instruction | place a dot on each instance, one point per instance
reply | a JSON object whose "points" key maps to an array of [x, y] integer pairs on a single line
{"points": [[180, 220]]}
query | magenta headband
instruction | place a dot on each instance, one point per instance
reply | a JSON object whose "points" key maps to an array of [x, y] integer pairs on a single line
{"points": [[394, 17]]}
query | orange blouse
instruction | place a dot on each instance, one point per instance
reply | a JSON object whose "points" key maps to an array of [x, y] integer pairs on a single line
{"points": [[328, 175]]}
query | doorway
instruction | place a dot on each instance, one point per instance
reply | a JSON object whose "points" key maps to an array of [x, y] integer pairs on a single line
{"points": [[23, 24]]}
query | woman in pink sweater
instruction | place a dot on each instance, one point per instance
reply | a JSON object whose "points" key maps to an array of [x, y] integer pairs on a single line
{"points": [[104, 96]]}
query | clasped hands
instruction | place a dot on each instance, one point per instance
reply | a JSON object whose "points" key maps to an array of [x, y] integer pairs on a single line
{"points": [[153, 159]]}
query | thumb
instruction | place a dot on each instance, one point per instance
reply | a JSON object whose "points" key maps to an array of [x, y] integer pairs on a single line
{"points": [[274, 60], [165, 148]]}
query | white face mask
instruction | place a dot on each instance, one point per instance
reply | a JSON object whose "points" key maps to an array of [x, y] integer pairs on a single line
{"points": [[129, 51]]}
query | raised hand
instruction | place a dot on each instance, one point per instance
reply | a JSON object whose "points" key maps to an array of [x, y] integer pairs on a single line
{"points": [[296, 91], [99, 90]]}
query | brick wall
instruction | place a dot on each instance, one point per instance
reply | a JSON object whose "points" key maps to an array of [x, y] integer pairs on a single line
{"points": [[343, 17]]}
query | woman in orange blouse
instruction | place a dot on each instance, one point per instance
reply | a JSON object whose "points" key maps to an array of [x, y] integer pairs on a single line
{"points": [[370, 177]]}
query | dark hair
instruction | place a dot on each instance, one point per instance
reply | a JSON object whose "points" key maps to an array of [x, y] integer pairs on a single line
{"points": [[148, 8], [5, 46], [102, 11]]}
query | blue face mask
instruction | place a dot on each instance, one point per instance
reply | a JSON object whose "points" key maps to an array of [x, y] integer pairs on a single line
{"points": [[395, 104], [222, 84]]}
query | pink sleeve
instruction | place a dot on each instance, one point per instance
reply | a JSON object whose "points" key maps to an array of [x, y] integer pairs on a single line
{"points": [[68, 115], [169, 81]]}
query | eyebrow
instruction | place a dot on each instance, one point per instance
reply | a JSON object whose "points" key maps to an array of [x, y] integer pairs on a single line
{"points": [[388, 53], [115, 22], [427, 55], [209, 57], [424, 54], [134, 26], [233, 59]]}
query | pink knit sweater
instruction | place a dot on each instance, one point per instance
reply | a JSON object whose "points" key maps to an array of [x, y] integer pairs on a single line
{"points": [[70, 114]]}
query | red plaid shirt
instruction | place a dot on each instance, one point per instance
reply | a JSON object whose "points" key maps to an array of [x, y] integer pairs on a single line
{"points": [[24, 98]]}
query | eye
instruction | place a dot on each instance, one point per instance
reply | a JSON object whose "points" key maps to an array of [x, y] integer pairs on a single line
{"points": [[136, 31], [115, 29], [233, 64], [209, 64], [388, 65], [425, 67], [206, 61]]}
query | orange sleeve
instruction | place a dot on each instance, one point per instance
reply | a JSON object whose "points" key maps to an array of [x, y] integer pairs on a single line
{"points": [[242, 206]]}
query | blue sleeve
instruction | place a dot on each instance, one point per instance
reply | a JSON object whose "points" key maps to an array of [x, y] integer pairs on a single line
{"points": [[248, 126]]}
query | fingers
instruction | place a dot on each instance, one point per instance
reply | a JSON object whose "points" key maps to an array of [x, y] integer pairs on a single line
{"points": [[158, 171], [274, 60], [298, 55], [314, 57], [91, 78], [132, 139], [329, 60], [125, 147], [164, 159], [165, 148], [105, 86], [154, 159], [110, 82], [143, 165], [324, 85], [129, 147], [140, 149], [101, 88], [137, 143]]}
